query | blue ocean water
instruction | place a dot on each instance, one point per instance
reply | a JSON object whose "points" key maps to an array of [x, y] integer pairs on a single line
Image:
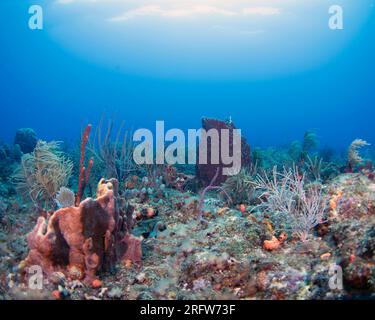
{"points": [[275, 73]]}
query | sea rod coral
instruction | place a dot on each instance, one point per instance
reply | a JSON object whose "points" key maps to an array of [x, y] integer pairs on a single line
{"points": [[287, 194], [84, 173]]}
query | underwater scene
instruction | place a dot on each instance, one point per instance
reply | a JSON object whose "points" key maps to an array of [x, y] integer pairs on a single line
{"points": [[187, 150]]}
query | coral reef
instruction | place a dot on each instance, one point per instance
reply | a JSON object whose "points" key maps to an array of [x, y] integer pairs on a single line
{"points": [[26, 139], [240, 188], [310, 142], [84, 173], [82, 241], [286, 193], [113, 157], [354, 157], [206, 172], [238, 254], [210, 187], [42, 173], [175, 179], [65, 198], [10, 156], [351, 228], [287, 229]]}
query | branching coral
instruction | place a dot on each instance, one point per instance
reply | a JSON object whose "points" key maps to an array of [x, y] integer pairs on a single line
{"points": [[84, 174], [314, 167], [42, 173], [269, 157], [211, 186], [310, 141], [114, 156], [286, 194], [354, 157], [318, 170], [299, 151]]}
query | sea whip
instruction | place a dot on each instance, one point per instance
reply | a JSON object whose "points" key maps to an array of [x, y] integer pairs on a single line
{"points": [[205, 190]]}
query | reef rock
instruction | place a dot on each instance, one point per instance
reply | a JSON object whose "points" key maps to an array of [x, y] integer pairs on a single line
{"points": [[206, 172], [352, 228], [10, 156], [82, 241], [26, 138]]}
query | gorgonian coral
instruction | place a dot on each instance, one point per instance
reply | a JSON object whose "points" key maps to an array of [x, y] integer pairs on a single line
{"points": [[286, 194], [42, 173], [354, 157], [65, 198]]}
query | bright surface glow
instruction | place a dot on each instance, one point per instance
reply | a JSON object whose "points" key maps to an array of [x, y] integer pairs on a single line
{"points": [[204, 39]]}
